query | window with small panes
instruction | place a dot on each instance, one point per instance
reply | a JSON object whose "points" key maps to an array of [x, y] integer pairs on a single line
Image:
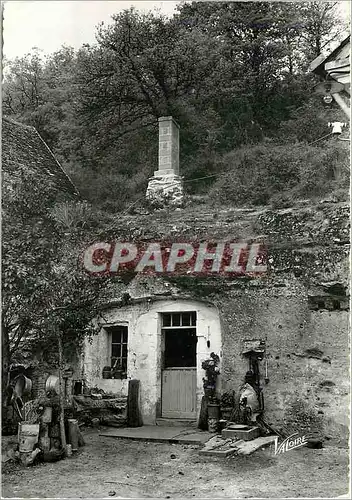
{"points": [[180, 339], [119, 342]]}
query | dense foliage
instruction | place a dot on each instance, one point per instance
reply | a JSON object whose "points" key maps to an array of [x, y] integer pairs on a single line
{"points": [[45, 293], [233, 74], [281, 175]]}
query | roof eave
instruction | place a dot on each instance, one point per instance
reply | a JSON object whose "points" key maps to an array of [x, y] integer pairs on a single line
{"points": [[317, 66]]}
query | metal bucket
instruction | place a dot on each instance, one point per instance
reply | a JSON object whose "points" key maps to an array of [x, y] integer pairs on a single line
{"points": [[27, 436], [52, 384]]}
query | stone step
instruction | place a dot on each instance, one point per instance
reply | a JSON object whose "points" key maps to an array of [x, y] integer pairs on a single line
{"points": [[176, 422], [247, 434], [159, 434]]}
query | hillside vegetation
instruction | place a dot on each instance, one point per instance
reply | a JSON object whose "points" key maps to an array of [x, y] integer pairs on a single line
{"points": [[234, 75]]}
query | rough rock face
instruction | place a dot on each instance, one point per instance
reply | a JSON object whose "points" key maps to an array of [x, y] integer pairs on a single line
{"points": [[165, 191]]}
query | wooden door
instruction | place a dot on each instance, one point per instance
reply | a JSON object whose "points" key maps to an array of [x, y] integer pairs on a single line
{"points": [[179, 377], [179, 386]]}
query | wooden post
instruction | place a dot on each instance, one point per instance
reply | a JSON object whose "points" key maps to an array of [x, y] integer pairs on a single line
{"points": [[61, 395], [203, 416], [134, 417], [81, 441]]}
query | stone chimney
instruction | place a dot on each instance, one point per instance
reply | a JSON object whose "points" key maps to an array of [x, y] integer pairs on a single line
{"points": [[169, 146], [165, 188]]}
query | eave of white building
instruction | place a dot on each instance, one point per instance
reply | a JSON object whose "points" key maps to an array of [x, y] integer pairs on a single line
{"points": [[336, 67], [340, 71]]}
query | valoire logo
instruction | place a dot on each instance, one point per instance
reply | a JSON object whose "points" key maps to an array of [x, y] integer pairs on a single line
{"points": [[290, 443]]}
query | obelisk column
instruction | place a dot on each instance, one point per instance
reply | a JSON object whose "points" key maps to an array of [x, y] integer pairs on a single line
{"points": [[165, 188], [169, 147]]}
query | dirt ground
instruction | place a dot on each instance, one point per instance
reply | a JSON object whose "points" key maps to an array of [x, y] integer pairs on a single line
{"points": [[134, 469]]}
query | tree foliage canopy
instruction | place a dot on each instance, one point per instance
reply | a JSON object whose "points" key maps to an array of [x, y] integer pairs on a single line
{"points": [[231, 73]]}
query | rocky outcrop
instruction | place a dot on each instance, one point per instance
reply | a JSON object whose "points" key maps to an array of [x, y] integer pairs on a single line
{"points": [[165, 191]]}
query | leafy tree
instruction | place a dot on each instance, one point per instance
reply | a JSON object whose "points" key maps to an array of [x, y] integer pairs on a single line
{"points": [[309, 123], [23, 89], [46, 296], [27, 250], [321, 26], [231, 73], [36, 91]]}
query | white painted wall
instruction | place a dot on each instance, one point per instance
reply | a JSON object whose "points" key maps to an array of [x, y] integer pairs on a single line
{"points": [[144, 349]]}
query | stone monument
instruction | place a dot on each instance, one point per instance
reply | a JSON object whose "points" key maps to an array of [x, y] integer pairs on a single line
{"points": [[165, 188]]}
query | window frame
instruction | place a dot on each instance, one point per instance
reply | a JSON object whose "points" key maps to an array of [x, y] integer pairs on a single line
{"points": [[192, 323], [123, 330]]}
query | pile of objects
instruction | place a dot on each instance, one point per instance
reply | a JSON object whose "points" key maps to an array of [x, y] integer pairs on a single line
{"points": [[100, 408], [49, 426], [41, 430], [45, 430]]}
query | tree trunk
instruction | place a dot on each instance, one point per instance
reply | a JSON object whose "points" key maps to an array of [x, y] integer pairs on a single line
{"points": [[61, 394], [73, 433], [5, 354]]}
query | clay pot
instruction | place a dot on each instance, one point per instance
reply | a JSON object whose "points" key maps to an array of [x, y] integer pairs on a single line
{"points": [[106, 372]]}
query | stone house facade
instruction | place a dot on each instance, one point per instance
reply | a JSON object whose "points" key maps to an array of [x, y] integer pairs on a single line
{"points": [[160, 328], [297, 311]]}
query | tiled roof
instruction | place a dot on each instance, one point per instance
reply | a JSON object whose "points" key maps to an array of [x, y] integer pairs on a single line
{"points": [[23, 147]]}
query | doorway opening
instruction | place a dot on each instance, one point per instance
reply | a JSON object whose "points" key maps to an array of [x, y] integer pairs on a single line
{"points": [[179, 377]]}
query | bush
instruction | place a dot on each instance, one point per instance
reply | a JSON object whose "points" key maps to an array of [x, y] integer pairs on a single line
{"points": [[110, 191], [267, 173], [72, 214], [309, 122]]}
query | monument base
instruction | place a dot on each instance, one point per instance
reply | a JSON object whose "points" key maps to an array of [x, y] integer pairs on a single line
{"points": [[165, 191]]}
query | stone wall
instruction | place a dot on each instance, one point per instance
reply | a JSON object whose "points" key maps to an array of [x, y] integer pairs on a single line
{"points": [[307, 357]]}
